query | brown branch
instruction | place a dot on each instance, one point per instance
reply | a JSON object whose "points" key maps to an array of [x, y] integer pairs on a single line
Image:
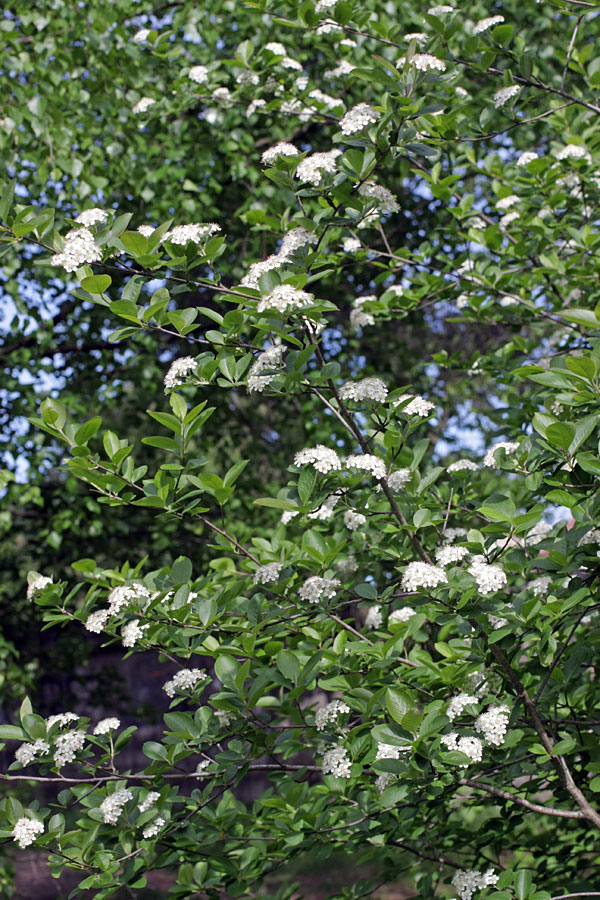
{"points": [[534, 807]]}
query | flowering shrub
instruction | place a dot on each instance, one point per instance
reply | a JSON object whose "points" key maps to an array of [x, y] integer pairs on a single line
{"points": [[400, 634]]}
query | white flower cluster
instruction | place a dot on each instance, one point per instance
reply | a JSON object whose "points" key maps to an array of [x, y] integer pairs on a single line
{"points": [[62, 719], [38, 585], [26, 830], [452, 534], [26, 753], [418, 405], [486, 24], [419, 37], [384, 199], [80, 248], [148, 801], [322, 458], [384, 780], [330, 713], [489, 578], [313, 167], [325, 511], [368, 462], [285, 298], [91, 217], [268, 359], [396, 480], [374, 617], [132, 633], [470, 746], [358, 316], [112, 806], [178, 371], [458, 703], [184, 680], [467, 882], [502, 96], [540, 585], [462, 465], [105, 726], [365, 389], [336, 762], [267, 573], [343, 68], [327, 101], [296, 239], [358, 118], [442, 10], [401, 615], [153, 829], [96, 622], [142, 105], [279, 50], [526, 157], [67, 745], [146, 230], [493, 724], [283, 148], [509, 447], [389, 751], [353, 519], [316, 588], [196, 233], [507, 202], [198, 74], [423, 62], [574, 151], [539, 531], [140, 36], [422, 575], [448, 554]]}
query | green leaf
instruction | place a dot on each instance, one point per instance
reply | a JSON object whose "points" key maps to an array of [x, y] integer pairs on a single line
{"points": [[584, 317], [153, 750], [522, 884], [96, 284], [6, 199], [288, 665], [398, 703]]}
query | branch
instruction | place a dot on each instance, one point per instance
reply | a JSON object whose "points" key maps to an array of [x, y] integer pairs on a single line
{"points": [[534, 807], [58, 779]]}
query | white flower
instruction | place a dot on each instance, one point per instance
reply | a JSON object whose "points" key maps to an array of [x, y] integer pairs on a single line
{"points": [[418, 406], [324, 4], [419, 37], [268, 573], [284, 298], [507, 202], [26, 830], [396, 480], [26, 753], [368, 462], [359, 318], [497, 622], [353, 520], [509, 447], [326, 510], [539, 531], [574, 151], [422, 574], [124, 595], [283, 148], [328, 101], [389, 751], [330, 713], [92, 217], [384, 199], [222, 95], [184, 680], [112, 806], [254, 105], [493, 724], [149, 801], [350, 245], [132, 633], [199, 74], [196, 233], [485, 24], [374, 617], [322, 458], [224, 717], [449, 554], [146, 230], [62, 719], [80, 248], [467, 882], [401, 615], [269, 359], [365, 389], [295, 239], [251, 279], [206, 763], [526, 157], [96, 622], [470, 746], [105, 726], [590, 537], [358, 118], [440, 10], [38, 585], [384, 780], [424, 62], [140, 36], [153, 829], [462, 465], [142, 105], [336, 762], [489, 578], [540, 585], [328, 26], [67, 745], [458, 703], [313, 167], [504, 94], [316, 588], [343, 68], [178, 370]]}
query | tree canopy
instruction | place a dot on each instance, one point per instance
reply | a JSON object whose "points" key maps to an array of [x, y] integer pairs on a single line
{"points": [[301, 370]]}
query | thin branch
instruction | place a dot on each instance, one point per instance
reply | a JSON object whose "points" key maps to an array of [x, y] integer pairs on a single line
{"points": [[569, 51], [534, 807]]}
